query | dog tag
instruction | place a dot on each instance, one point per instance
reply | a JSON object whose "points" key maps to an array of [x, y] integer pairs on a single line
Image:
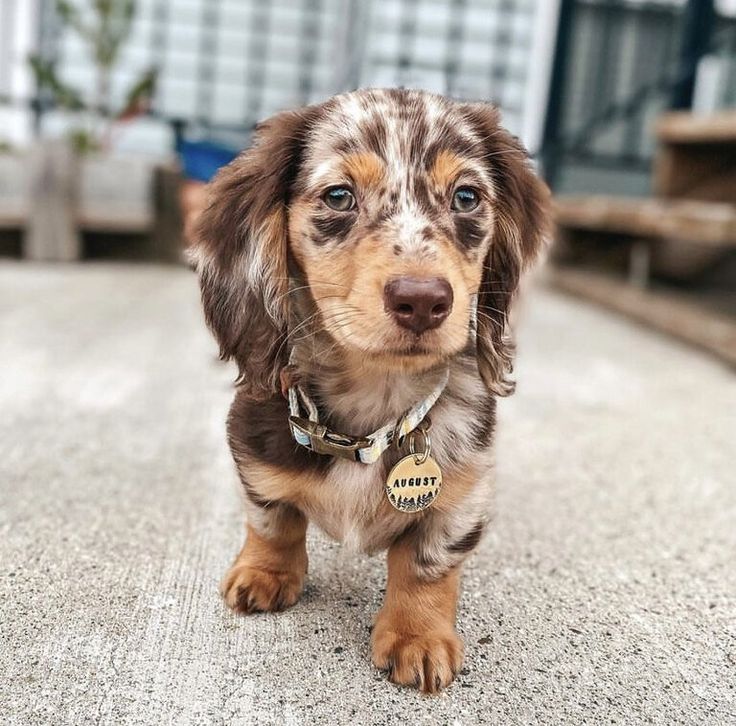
{"points": [[414, 482]]}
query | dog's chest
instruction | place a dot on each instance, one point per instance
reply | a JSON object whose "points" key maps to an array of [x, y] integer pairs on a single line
{"points": [[351, 503], [351, 506], [345, 498]]}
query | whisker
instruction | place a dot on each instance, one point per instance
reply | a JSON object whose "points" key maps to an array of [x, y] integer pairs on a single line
{"points": [[491, 320], [495, 310], [329, 318], [300, 288]]}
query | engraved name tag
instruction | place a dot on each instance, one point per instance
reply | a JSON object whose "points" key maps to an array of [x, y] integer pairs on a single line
{"points": [[414, 483]]}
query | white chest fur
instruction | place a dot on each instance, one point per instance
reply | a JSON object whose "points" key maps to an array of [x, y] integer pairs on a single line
{"points": [[353, 510], [351, 505]]}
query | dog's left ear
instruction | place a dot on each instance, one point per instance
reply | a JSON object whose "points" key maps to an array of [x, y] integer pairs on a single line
{"points": [[520, 228], [241, 251]]}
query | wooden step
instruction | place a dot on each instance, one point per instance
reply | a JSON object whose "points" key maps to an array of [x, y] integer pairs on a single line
{"points": [[684, 127], [13, 214], [667, 312], [109, 220], [706, 223], [13, 190], [696, 156], [112, 220]]}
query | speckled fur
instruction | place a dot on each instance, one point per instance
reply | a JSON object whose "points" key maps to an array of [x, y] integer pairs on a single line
{"points": [[281, 272]]}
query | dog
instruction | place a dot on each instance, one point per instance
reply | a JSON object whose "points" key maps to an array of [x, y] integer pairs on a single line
{"points": [[358, 263]]}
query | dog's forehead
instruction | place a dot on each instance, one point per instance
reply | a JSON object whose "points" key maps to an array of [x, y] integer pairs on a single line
{"points": [[404, 129]]}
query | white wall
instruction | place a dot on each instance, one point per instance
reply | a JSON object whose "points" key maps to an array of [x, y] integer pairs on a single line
{"points": [[17, 39], [539, 75]]}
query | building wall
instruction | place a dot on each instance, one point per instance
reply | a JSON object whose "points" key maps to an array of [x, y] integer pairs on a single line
{"points": [[17, 38], [229, 63]]}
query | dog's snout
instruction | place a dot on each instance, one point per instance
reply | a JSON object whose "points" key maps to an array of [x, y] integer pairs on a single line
{"points": [[418, 304]]}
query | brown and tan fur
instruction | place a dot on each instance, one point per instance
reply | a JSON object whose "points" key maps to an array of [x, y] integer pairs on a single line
{"points": [[281, 271]]}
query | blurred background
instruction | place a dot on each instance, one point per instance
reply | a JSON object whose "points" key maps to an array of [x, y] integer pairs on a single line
{"points": [[113, 113]]}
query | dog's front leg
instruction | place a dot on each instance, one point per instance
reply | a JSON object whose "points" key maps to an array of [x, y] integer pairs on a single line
{"points": [[414, 636], [268, 574]]}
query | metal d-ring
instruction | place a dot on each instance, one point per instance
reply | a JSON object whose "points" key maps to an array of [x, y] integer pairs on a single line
{"points": [[425, 424], [419, 459]]}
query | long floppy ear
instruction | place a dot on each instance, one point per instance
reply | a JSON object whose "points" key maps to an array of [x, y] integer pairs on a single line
{"points": [[520, 228], [241, 251]]}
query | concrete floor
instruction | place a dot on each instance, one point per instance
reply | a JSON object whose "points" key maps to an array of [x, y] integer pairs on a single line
{"points": [[606, 592]]}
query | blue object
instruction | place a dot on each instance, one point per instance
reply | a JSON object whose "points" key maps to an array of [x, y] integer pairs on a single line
{"points": [[202, 159]]}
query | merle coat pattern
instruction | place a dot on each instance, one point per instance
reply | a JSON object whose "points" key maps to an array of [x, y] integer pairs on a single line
{"points": [[281, 269]]}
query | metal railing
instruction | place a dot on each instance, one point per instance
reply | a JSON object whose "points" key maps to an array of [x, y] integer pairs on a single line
{"points": [[618, 65]]}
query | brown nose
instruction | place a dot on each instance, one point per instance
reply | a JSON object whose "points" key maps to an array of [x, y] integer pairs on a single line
{"points": [[418, 304]]}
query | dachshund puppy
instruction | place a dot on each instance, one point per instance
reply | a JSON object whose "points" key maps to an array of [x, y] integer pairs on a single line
{"points": [[359, 260]]}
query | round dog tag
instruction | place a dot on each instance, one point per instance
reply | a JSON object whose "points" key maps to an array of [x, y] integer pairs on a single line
{"points": [[414, 483], [411, 487]]}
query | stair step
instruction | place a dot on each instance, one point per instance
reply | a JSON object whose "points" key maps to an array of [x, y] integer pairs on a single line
{"points": [[12, 214], [707, 223], [669, 313], [684, 127]]}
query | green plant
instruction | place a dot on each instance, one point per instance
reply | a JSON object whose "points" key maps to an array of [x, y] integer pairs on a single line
{"points": [[105, 34]]}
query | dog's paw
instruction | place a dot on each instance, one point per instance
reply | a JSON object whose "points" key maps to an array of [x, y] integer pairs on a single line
{"points": [[248, 589], [428, 661]]}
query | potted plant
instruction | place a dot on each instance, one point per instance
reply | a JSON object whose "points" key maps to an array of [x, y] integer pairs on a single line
{"points": [[77, 182]]}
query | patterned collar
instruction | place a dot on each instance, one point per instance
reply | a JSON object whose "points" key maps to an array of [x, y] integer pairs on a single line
{"points": [[311, 434]]}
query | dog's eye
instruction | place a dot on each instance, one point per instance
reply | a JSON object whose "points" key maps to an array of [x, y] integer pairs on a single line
{"points": [[465, 199], [340, 199]]}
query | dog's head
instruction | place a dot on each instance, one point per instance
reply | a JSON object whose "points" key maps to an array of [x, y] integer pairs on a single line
{"points": [[395, 209]]}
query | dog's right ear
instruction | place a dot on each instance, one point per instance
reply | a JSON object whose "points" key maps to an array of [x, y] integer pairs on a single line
{"points": [[240, 251]]}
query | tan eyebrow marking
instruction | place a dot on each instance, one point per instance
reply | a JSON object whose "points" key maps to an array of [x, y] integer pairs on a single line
{"points": [[365, 169], [446, 168]]}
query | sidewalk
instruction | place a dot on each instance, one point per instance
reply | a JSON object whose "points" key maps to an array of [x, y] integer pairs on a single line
{"points": [[605, 592]]}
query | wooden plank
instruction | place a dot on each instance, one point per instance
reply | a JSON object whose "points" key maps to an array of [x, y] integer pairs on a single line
{"points": [[13, 190], [12, 214], [51, 233], [666, 312], [112, 220], [708, 223], [115, 194], [696, 171], [168, 229], [689, 128]]}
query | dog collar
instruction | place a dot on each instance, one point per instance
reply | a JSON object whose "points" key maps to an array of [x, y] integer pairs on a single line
{"points": [[311, 434]]}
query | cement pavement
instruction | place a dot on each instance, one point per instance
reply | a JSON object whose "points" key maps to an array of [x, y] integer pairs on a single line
{"points": [[605, 592]]}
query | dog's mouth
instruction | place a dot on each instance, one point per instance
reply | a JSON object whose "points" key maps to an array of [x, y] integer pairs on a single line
{"points": [[404, 347], [391, 347], [414, 350]]}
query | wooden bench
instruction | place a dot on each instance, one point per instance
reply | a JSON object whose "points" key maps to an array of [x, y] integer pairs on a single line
{"points": [[708, 223], [684, 231], [13, 190], [52, 197], [696, 156], [670, 313]]}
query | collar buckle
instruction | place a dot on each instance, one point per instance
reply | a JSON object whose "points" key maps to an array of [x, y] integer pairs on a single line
{"points": [[318, 438]]}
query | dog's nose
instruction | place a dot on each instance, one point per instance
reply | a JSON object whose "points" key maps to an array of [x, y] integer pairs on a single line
{"points": [[418, 304]]}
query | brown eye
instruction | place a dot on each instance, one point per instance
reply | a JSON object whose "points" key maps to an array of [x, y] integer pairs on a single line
{"points": [[340, 199], [465, 199]]}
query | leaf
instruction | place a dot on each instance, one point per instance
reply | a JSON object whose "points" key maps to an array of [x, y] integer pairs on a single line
{"points": [[83, 142], [114, 22], [46, 77], [70, 15], [139, 94]]}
